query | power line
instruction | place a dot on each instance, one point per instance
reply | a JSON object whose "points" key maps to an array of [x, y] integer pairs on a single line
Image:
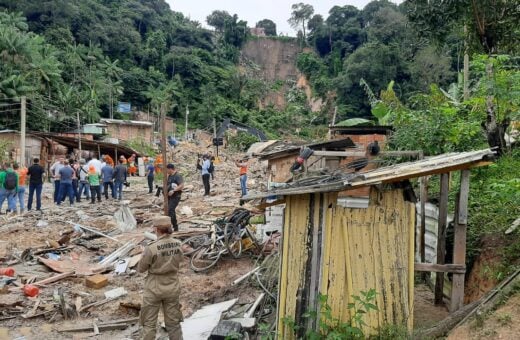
{"points": [[6, 104], [10, 110]]}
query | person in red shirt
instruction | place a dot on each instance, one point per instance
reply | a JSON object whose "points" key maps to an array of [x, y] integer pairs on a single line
{"points": [[22, 177], [243, 164]]}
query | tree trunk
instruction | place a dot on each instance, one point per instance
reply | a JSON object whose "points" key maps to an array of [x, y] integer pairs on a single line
{"points": [[495, 131]]}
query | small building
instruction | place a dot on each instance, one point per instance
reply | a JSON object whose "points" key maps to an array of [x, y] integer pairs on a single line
{"points": [[362, 136], [340, 252], [280, 156], [155, 120], [257, 31], [127, 130], [35, 147]]}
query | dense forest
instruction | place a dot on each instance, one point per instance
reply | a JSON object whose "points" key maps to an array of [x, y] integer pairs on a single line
{"points": [[386, 63]]}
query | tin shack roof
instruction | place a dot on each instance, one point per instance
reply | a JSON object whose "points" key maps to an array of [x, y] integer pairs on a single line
{"points": [[278, 151], [395, 173], [125, 122], [86, 144]]}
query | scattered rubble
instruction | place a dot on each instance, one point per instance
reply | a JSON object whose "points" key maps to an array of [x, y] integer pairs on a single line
{"points": [[81, 260]]}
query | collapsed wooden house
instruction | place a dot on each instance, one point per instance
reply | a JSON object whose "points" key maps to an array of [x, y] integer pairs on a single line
{"points": [[339, 252]]}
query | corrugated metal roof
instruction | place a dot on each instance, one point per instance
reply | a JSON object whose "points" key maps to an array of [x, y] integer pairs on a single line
{"points": [[330, 145], [343, 181], [125, 122]]}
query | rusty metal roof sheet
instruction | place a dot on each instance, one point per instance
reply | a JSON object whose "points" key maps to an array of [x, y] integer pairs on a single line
{"points": [[395, 173]]}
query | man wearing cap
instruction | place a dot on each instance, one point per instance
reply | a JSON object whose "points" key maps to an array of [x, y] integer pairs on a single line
{"points": [[161, 260], [175, 186]]}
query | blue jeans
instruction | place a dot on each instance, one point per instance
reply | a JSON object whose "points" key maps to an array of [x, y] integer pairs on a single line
{"points": [[66, 190], [110, 185], [83, 186], [56, 190], [10, 195], [38, 188], [243, 184], [21, 197], [118, 190], [75, 188]]}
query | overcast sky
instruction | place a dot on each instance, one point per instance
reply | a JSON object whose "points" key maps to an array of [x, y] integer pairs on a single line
{"points": [[255, 10]]}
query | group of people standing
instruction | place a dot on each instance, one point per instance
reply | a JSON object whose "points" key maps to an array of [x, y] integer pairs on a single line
{"points": [[13, 178], [207, 169], [73, 179]]}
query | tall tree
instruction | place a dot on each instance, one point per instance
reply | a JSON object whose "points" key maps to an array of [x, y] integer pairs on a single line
{"points": [[268, 25], [300, 15], [217, 19], [493, 29]]}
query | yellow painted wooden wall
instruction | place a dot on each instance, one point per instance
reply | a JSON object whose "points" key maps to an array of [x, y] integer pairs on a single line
{"points": [[361, 249]]}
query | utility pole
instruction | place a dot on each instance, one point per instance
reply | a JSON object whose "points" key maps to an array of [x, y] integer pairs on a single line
{"points": [[163, 151], [333, 122], [22, 130], [79, 134], [186, 131]]}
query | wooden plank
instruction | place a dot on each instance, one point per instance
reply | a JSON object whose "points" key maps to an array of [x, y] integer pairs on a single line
{"points": [[422, 228], [339, 153], [440, 268], [464, 196], [264, 205], [411, 258], [459, 243], [441, 235], [423, 197], [418, 173], [401, 153]]}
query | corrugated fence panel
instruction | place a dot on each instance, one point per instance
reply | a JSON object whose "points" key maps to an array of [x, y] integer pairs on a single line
{"points": [[377, 251], [294, 256]]}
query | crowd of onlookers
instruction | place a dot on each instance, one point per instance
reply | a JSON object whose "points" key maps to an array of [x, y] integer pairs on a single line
{"points": [[73, 179]]}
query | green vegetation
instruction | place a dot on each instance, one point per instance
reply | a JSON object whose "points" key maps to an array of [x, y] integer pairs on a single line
{"points": [[241, 141], [333, 328]]}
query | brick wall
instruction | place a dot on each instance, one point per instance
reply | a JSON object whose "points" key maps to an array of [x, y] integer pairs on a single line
{"points": [[128, 132], [362, 141]]}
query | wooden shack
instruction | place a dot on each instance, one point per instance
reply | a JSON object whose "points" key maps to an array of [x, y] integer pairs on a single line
{"points": [[35, 147], [280, 158], [128, 130], [340, 252]]}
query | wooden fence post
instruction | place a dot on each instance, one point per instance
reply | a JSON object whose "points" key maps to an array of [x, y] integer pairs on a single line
{"points": [[441, 236], [459, 243]]}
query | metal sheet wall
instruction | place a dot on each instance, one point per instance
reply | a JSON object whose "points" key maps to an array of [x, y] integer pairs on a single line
{"points": [[359, 249]]}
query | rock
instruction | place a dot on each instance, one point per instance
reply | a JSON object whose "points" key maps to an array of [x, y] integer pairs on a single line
{"points": [[186, 210]]}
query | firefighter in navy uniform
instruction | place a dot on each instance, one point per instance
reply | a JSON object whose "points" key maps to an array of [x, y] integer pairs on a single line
{"points": [[161, 259]]}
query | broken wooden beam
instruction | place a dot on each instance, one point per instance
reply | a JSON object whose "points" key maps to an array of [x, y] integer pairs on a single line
{"points": [[53, 279], [440, 268], [441, 235], [92, 230], [107, 326]]}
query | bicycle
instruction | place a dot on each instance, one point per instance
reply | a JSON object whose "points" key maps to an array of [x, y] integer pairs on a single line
{"points": [[208, 254]]}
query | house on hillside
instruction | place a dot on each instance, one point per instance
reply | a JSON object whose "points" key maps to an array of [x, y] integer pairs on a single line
{"points": [[155, 120], [127, 130], [35, 147]]}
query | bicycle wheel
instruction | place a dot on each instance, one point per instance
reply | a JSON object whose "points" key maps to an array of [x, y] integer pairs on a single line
{"points": [[233, 240], [194, 243], [204, 258]]}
